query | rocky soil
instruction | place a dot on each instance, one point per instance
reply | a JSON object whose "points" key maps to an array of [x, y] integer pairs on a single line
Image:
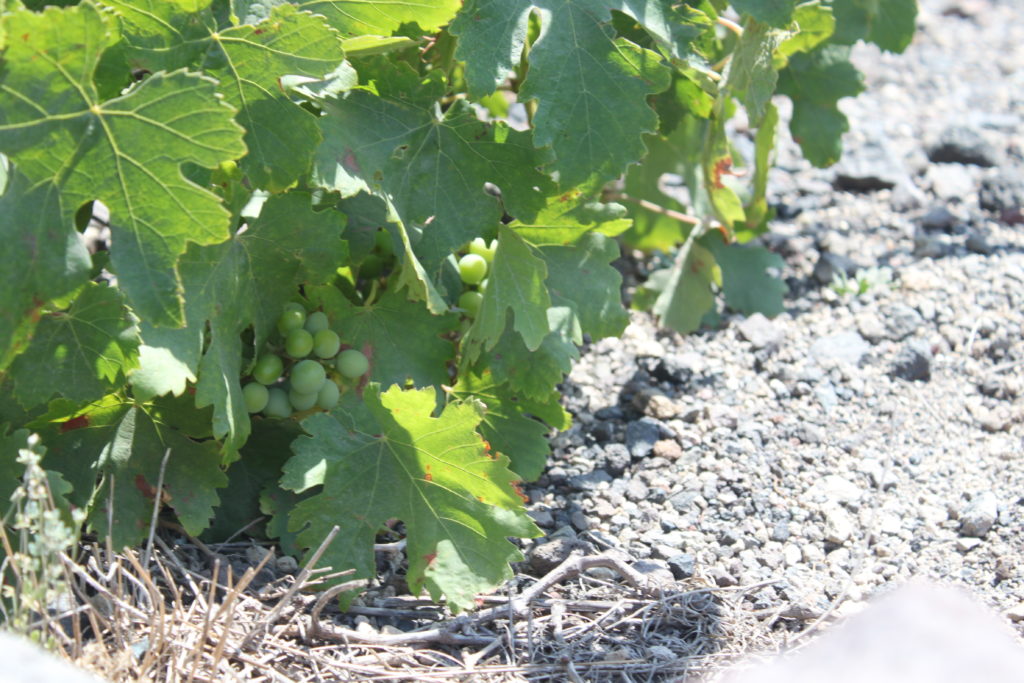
{"points": [[856, 440]]}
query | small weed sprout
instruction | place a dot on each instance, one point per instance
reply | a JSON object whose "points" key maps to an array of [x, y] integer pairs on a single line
{"points": [[864, 281]]}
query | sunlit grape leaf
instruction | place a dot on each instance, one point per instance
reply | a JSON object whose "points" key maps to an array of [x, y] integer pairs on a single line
{"points": [[684, 293], [813, 23], [432, 169], [748, 280], [816, 81], [43, 259], [773, 12], [382, 17], [581, 279], [244, 281], [515, 282], [533, 373], [383, 331], [889, 24], [751, 71], [81, 353], [509, 425], [395, 460], [567, 217], [756, 209], [590, 86], [249, 61], [126, 151]]}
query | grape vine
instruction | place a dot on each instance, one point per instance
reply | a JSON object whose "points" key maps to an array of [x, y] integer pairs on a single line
{"points": [[352, 252]]}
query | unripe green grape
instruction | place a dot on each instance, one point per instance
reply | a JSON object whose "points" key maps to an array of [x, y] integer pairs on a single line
{"points": [[326, 344], [472, 269], [278, 404], [292, 318], [480, 247], [352, 363], [328, 396], [316, 321], [255, 396], [268, 369], [371, 267], [470, 302], [308, 376], [301, 400], [298, 343], [482, 287], [383, 243]]}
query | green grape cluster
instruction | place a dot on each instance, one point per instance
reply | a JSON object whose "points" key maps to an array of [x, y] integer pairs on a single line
{"points": [[474, 268], [381, 259], [311, 371]]}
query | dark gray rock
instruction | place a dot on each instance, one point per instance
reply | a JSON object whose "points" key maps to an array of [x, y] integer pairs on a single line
{"points": [[684, 501], [642, 434], [1003, 194], [977, 242], [636, 490], [940, 219], [589, 481], [913, 362], [615, 458], [780, 532], [760, 331], [682, 565], [546, 556], [962, 145], [979, 515], [901, 321], [829, 265]]}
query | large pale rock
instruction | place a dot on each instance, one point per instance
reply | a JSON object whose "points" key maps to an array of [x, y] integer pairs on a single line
{"points": [[26, 662], [920, 633]]}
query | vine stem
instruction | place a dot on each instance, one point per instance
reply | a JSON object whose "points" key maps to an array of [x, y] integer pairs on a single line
{"points": [[656, 208], [731, 25]]}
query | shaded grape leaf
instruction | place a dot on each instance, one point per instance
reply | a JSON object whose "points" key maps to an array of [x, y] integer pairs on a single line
{"points": [[581, 279], [126, 152], [249, 62], [815, 82], [566, 217], [533, 373], [776, 13], [43, 259], [756, 209], [509, 426], [751, 71], [889, 24], [383, 331], [683, 293], [590, 86], [135, 446], [394, 460], [244, 281], [432, 169], [515, 282], [747, 282], [81, 353]]}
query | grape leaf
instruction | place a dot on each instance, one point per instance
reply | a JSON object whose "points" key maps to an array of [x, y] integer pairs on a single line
{"points": [[746, 282], [432, 169], [382, 331], [889, 24], [244, 281], [581, 279], [127, 151], [509, 425], [81, 353], [516, 282], [814, 22], [43, 259], [565, 219], [815, 81], [756, 209], [249, 62], [751, 71], [394, 460], [533, 373], [684, 293], [590, 86], [379, 17], [776, 13]]}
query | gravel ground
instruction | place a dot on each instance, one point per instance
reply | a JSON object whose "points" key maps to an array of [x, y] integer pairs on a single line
{"points": [[854, 441]]}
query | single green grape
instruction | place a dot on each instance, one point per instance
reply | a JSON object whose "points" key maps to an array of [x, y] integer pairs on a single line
{"points": [[472, 269], [292, 318], [316, 321], [278, 404], [298, 343], [308, 376], [326, 344], [382, 242], [255, 396], [328, 396], [352, 363], [371, 267], [480, 247], [470, 302], [482, 287], [268, 369], [301, 400]]}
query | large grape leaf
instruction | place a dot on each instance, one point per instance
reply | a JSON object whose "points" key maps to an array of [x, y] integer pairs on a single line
{"points": [[43, 259], [533, 373], [432, 167], [774, 12], [752, 74], [244, 281], [392, 459], [816, 81], [249, 62], [360, 17], [81, 353], [889, 24], [509, 425], [590, 86], [383, 331], [683, 293], [748, 283], [515, 282], [126, 151], [581, 279], [566, 218]]}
